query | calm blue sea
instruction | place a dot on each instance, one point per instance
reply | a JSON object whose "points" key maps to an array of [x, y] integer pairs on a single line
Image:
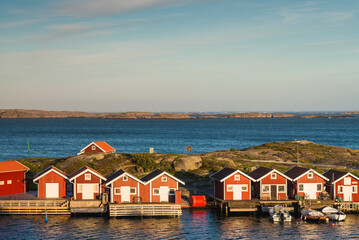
{"points": [[65, 137]]}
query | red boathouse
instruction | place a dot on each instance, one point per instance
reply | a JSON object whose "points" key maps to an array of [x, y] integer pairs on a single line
{"points": [[270, 184], [124, 188], [232, 184], [305, 182], [12, 177], [343, 184], [87, 183], [97, 147], [51, 183]]}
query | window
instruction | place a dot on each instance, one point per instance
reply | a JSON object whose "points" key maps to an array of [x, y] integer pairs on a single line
{"points": [[164, 179], [93, 148], [273, 176], [133, 190], [229, 188], [96, 188], [340, 189], [172, 191], [9, 182], [237, 177], [87, 176], [347, 181], [355, 189], [2, 182], [79, 188], [300, 188], [156, 191], [319, 187], [117, 191], [281, 188], [265, 189], [310, 175], [244, 188], [125, 178]]}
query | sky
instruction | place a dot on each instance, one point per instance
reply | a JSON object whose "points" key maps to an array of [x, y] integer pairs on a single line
{"points": [[179, 55]]}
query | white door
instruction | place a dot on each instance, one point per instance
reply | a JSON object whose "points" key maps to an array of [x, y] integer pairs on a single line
{"points": [[88, 191], [310, 189], [125, 194], [347, 192], [164, 192], [52, 190], [237, 192]]}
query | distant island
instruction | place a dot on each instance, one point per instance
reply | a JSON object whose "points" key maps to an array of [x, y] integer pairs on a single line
{"points": [[23, 113]]}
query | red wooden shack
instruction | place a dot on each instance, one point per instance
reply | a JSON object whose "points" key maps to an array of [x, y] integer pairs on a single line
{"points": [[270, 184], [232, 184], [87, 183], [12, 177], [343, 184], [305, 182], [51, 183], [124, 188], [160, 186], [97, 147]]}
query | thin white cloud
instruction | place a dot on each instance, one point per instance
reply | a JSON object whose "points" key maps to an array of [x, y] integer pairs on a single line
{"points": [[19, 23], [324, 43]]}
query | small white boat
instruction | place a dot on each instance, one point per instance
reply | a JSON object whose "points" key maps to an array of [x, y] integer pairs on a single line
{"points": [[334, 214], [279, 214], [313, 215]]}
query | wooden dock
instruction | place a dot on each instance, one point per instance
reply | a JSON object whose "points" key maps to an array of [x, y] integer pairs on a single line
{"points": [[58, 206], [347, 206], [144, 209]]}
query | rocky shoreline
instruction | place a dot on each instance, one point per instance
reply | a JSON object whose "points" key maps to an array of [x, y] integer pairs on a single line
{"points": [[23, 113]]}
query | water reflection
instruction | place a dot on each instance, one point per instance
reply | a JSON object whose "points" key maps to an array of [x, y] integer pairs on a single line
{"points": [[194, 224]]}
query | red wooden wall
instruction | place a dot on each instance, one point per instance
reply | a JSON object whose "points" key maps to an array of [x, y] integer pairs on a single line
{"points": [[355, 196], [94, 179], [51, 177], [278, 181], [118, 183], [18, 184], [231, 181], [89, 149], [305, 179]]}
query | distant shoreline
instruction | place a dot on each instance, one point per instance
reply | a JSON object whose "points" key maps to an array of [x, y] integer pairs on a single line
{"points": [[23, 113]]}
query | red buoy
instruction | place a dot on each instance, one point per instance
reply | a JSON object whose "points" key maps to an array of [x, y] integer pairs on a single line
{"points": [[198, 201]]}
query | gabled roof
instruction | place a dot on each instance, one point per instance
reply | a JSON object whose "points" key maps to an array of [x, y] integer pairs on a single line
{"points": [[261, 172], [84, 169], [338, 175], [12, 166], [297, 172], [113, 177], [155, 174], [225, 173], [48, 170], [101, 145]]}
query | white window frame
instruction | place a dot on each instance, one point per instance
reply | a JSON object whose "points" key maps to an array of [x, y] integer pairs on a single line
{"points": [[2, 182], [237, 177], [163, 179], [300, 184], [117, 193], [87, 176], [273, 176], [283, 189], [174, 191], [263, 187], [347, 181], [340, 189], [96, 188], [354, 188], [125, 178], [228, 188], [153, 191], [310, 175], [321, 187], [131, 188], [93, 147], [244, 186], [79, 188], [9, 182]]}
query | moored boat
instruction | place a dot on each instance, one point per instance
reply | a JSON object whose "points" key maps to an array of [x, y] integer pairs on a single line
{"points": [[279, 214], [313, 215], [334, 214]]}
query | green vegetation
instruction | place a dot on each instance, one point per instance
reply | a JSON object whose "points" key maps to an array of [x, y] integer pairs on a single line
{"points": [[144, 160]]}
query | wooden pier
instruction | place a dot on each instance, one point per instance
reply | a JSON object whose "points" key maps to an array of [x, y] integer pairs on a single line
{"points": [[347, 206], [144, 209], [88, 207], [59, 206]]}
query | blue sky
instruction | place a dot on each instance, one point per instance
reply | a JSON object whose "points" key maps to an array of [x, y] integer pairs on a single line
{"points": [[179, 55]]}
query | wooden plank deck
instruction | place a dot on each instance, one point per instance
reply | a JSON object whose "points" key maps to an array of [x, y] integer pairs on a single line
{"points": [[144, 210], [56, 206]]}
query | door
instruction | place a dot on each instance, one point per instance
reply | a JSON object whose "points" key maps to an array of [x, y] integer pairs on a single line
{"points": [[310, 189], [347, 192], [52, 190], [273, 192], [237, 192], [164, 192], [125, 194], [88, 191]]}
